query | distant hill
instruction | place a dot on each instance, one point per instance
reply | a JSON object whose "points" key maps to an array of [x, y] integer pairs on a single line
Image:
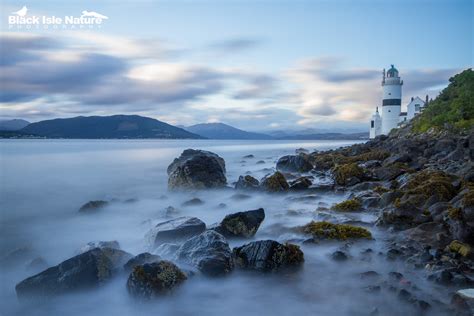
{"points": [[223, 131], [117, 126], [12, 125], [327, 136]]}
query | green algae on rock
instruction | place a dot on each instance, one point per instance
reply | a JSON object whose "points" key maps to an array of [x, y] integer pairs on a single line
{"points": [[326, 230]]}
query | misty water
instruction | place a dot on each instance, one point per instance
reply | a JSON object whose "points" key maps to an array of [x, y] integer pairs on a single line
{"points": [[44, 182]]}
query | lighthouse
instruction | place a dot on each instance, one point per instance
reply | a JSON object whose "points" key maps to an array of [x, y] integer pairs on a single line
{"points": [[375, 124], [392, 99]]}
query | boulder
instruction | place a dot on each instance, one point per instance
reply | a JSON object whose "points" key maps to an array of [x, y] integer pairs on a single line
{"points": [[193, 202], [301, 183], [241, 224], [180, 228], [93, 206], [275, 183], [197, 169], [154, 279], [87, 270], [246, 182], [209, 252], [268, 256], [140, 259], [294, 163]]}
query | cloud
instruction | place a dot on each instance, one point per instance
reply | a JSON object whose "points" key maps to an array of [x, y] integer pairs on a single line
{"points": [[327, 91], [235, 45]]}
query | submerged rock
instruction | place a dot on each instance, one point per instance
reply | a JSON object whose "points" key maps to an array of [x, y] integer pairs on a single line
{"points": [[294, 163], [93, 206], [241, 224], [87, 270], [180, 228], [140, 260], [193, 202], [275, 183], [268, 256], [154, 279], [196, 169], [247, 182], [209, 252]]}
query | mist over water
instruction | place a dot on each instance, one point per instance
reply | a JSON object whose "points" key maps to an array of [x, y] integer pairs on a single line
{"points": [[44, 182]]}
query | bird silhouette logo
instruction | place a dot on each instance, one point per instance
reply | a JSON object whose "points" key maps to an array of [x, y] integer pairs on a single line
{"points": [[22, 12], [93, 15]]}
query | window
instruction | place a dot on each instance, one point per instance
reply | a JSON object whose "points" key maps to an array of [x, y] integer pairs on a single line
{"points": [[417, 108], [372, 124], [389, 110]]}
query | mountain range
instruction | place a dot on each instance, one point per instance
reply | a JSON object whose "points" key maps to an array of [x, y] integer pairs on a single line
{"points": [[138, 127], [116, 126], [223, 131]]}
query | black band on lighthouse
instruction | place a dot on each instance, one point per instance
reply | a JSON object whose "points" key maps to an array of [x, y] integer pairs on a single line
{"points": [[392, 102]]}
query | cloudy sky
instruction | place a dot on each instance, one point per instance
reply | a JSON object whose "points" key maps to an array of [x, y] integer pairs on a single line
{"points": [[257, 65]]}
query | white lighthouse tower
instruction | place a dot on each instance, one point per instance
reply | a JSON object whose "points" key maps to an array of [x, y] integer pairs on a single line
{"points": [[392, 99], [375, 124]]}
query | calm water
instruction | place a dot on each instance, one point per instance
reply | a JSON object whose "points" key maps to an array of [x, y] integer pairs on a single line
{"points": [[44, 182]]}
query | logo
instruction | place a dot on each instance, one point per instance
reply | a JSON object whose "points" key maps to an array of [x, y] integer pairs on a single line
{"points": [[21, 20]]}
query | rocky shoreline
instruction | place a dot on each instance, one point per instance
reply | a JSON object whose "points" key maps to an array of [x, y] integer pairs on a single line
{"points": [[419, 186]]}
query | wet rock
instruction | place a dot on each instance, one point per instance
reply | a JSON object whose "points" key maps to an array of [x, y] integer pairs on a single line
{"points": [[463, 301], [349, 174], [400, 158], [348, 206], [193, 202], [154, 279], [140, 260], [247, 183], [404, 295], [241, 224], [248, 156], [274, 183], [180, 228], [196, 169], [301, 151], [209, 252], [167, 250], [393, 254], [93, 206], [339, 256], [268, 256], [99, 244], [372, 289], [294, 163], [260, 162], [87, 270], [301, 183]]}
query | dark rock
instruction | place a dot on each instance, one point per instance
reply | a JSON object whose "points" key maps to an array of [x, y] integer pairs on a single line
{"points": [[248, 157], [167, 250], [397, 158], [389, 197], [140, 260], [209, 252], [393, 253], [197, 169], [241, 224], [154, 279], [100, 244], [87, 270], [247, 182], [275, 183], [193, 202], [93, 206], [260, 162], [301, 183], [372, 289], [404, 295], [339, 256], [369, 275], [294, 163], [180, 228], [268, 256]]}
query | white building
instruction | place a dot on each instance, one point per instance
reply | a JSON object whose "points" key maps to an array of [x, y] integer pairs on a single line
{"points": [[375, 124], [392, 115]]}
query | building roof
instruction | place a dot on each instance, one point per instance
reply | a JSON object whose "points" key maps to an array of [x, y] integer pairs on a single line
{"points": [[392, 72]]}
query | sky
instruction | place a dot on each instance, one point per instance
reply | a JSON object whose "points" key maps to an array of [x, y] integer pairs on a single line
{"points": [[256, 65]]}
